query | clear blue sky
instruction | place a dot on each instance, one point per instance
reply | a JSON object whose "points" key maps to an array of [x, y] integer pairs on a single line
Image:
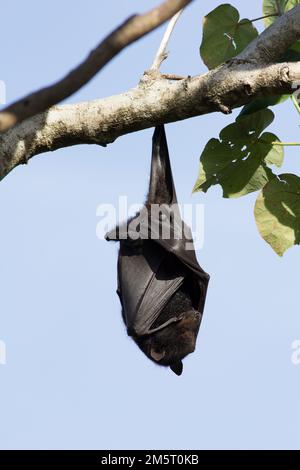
{"points": [[73, 379]]}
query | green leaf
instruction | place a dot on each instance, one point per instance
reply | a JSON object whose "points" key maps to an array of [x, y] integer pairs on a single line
{"points": [[277, 212], [296, 46], [270, 8], [276, 154], [239, 160], [262, 103], [224, 36], [292, 54], [247, 127]]}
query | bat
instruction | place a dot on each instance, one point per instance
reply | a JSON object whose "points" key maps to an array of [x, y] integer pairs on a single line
{"points": [[161, 286]]}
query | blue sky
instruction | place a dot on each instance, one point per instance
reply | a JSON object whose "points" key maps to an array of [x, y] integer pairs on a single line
{"points": [[73, 379]]}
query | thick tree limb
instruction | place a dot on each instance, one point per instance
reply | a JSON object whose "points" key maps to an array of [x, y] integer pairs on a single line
{"points": [[130, 31], [153, 102]]}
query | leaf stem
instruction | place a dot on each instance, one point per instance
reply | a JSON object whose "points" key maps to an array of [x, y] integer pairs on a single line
{"points": [[257, 19], [161, 54], [287, 144], [296, 103]]}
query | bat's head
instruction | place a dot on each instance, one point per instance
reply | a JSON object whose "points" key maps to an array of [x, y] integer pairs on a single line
{"points": [[168, 346]]}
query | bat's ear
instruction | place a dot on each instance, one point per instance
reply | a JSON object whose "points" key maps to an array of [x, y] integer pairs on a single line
{"points": [[157, 356], [177, 367], [111, 236]]}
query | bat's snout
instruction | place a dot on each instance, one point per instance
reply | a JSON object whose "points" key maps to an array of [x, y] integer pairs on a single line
{"points": [[171, 344]]}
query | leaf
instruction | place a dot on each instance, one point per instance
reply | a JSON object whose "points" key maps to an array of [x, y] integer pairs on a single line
{"points": [[275, 156], [224, 36], [296, 46], [262, 103], [247, 127], [277, 212], [239, 160], [292, 54], [270, 8]]}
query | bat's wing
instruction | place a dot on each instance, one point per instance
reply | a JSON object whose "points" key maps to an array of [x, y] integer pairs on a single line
{"points": [[169, 232], [147, 275], [166, 226], [146, 282], [184, 250]]}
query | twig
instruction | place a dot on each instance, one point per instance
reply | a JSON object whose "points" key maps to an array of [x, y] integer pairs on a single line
{"points": [[127, 33], [257, 19], [161, 54]]}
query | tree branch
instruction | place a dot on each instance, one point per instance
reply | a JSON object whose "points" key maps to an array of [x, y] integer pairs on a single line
{"points": [[130, 31], [158, 100], [152, 102], [161, 54]]}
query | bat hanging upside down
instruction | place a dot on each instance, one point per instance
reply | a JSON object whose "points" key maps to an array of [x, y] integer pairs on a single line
{"points": [[161, 286]]}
